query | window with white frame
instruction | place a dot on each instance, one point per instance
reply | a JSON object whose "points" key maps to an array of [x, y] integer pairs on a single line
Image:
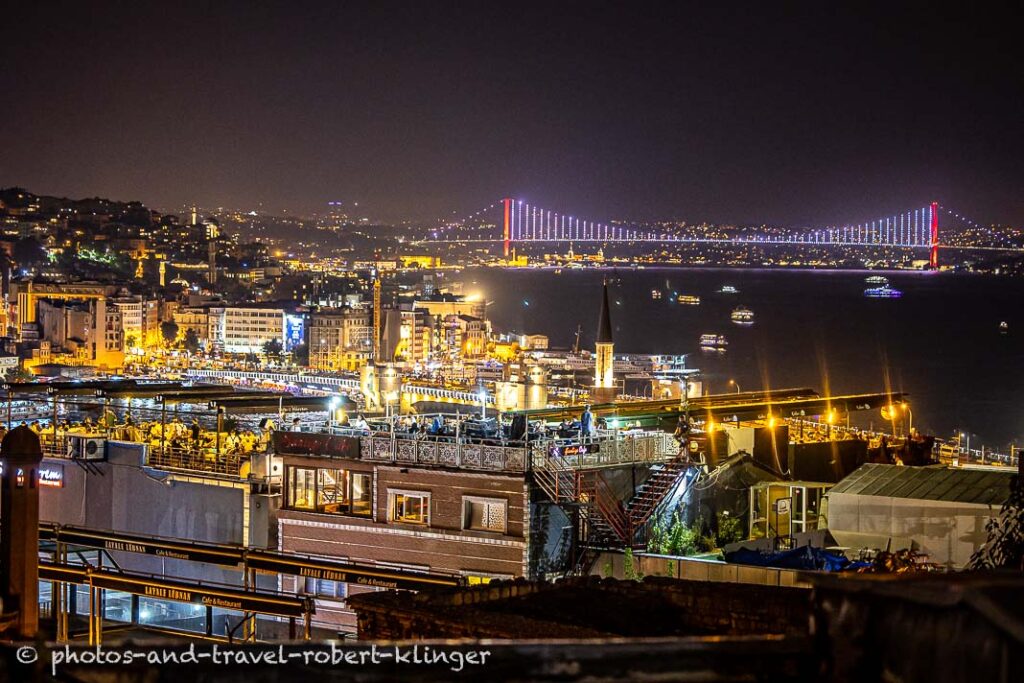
{"points": [[485, 514], [410, 507], [325, 588]]}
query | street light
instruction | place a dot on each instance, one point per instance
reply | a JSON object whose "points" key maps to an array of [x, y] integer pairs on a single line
{"points": [[910, 416], [334, 402], [736, 384]]}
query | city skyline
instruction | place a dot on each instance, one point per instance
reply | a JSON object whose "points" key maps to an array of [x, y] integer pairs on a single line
{"points": [[700, 114]]}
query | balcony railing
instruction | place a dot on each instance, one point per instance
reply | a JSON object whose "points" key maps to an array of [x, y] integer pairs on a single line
{"points": [[202, 459], [604, 448]]}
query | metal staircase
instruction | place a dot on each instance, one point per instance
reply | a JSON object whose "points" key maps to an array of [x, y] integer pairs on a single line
{"points": [[663, 480], [606, 520]]}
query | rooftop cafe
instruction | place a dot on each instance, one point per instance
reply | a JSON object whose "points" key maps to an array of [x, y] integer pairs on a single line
{"points": [[197, 427], [218, 429]]}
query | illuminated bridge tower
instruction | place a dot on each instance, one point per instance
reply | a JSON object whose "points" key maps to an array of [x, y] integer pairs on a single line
{"points": [[507, 233], [933, 256], [604, 356]]}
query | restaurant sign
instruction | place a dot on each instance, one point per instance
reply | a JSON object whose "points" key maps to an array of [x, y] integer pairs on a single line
{"points": [[365, 575], [147, 545], [304, 443]]}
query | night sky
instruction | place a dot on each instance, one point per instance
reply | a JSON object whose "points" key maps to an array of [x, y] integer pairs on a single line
{"points": [[765, 112]]}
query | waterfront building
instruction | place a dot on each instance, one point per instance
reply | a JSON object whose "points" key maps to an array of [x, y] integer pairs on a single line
{"points": [[245, 329], [534, 342], [140, 319], [194, 318], [442, 305], [90, 332], [340, 339]]}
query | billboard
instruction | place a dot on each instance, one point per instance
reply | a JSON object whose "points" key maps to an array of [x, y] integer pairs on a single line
{"points": [[294, 331]]}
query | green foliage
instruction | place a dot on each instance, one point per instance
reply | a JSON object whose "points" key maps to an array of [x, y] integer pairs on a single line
{"points": [[608, 570], [19, 374], [131, 341], [631, 570], [169, 331], [273, 348], [673, 538], [191, 341], [677, 538], [300, 355], [730, 529]]}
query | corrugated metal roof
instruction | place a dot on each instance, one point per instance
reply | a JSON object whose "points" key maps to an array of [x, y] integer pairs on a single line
{"points": [[956, 485]]}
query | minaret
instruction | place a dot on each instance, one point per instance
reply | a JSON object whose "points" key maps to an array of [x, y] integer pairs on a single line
{"points": [[604, 356], [212, 267], [163, 273], [376, 318]]}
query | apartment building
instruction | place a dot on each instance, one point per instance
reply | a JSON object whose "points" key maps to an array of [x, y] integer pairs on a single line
{"points": [[240, 329], [340, 339]]}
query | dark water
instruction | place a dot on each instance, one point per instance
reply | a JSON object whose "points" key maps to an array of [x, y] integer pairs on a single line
{"points": [[940, 342]]}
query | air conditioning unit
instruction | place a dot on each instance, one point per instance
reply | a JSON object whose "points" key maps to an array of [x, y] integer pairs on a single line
{"points": [[87, 447], [266, 467]]}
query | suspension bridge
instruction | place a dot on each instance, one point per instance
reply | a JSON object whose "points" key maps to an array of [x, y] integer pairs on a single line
{"points": [[510, 221]]}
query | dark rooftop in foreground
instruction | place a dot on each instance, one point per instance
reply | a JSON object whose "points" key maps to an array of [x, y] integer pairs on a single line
{"points": [[587, 607]]}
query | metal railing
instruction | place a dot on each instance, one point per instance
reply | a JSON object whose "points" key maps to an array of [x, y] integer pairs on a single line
{"points": [[607, 448], [441, 451], [193, 459], [196, 460], [381, 442]]}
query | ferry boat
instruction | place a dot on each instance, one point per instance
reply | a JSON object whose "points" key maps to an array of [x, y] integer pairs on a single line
{"points": [[742, 315], [877, 280], [688, 299], [713, 342], [655, 294], [883, 292], [728, 289]]}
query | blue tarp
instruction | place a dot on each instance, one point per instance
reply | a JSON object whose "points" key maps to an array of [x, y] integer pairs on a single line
{"points": [[804, 557]]}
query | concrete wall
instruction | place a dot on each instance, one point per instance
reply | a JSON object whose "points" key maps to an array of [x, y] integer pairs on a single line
{"points": [[119, 495], [613, 565], [949, 533]]}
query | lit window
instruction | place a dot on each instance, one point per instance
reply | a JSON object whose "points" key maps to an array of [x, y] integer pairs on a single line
{"points": [[410, 507], [302, 488], [324, 588], [485, 514]]}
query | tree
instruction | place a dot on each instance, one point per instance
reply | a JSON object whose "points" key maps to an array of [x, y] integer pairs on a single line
{"points": [[27, 251], [18, 374], [273, 348], [169, 331], [131, 341], [191, 340], [300, 355]]}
